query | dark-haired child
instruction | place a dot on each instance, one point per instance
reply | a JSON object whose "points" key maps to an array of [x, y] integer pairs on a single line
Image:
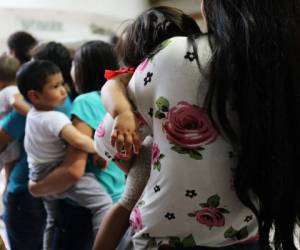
{"points": [[46, 134]]}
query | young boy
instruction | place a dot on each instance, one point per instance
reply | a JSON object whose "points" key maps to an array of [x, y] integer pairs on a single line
{"points": [[10, 98], [46, 134]]}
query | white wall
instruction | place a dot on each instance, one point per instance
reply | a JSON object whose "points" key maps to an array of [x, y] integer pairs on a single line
{"points": [[122, 9], [66, 20]]}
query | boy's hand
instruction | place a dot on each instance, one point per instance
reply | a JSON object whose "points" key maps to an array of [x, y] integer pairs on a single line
{"points": [[125, 135]]}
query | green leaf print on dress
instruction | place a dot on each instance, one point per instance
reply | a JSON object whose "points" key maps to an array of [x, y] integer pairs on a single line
{"points": [[162, 105], [236, 234]]}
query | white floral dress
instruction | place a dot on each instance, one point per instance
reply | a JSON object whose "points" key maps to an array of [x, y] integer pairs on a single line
{"points": [[189, 199]]}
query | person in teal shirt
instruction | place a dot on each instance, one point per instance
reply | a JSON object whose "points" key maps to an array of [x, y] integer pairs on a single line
{"points": [[88, 107], [20, 208], [89, 64]]}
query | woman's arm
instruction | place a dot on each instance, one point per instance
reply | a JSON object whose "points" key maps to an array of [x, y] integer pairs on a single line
{"points": [[125, 132], [68, 172], [111, 230]]}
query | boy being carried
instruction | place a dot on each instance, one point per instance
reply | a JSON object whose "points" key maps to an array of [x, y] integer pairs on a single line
{"points": [[46, 134]]}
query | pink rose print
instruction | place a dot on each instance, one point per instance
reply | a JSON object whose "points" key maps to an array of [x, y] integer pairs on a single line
{"points": [[136, 220], [155, 153], [100, 131], [210, 217], [156, 157], [188, 126], [143, 65], [211, 214]]}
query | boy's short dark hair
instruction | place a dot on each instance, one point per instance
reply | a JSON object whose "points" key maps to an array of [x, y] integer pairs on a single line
{"points": [[8, 68], [33, 75]]}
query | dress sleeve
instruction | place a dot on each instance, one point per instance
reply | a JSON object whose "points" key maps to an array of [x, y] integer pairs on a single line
{"points": [[56, 121]]}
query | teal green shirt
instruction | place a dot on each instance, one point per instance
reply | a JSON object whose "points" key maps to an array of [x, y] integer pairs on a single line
{"points": [[90, 109]]}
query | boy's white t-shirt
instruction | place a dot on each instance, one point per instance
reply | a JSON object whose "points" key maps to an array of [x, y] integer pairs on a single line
{"points": [[6, 97], [42, 142]]}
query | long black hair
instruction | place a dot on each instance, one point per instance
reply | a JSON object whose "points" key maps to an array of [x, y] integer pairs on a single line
{"points": [[254, 71], [141, 38], [60, 55], [90, 62]]}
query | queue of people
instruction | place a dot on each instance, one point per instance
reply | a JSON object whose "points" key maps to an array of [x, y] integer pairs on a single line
{"points": [[174, 138]]}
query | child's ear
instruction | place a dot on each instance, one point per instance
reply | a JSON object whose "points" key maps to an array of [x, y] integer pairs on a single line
{"points": [[33, 96]]}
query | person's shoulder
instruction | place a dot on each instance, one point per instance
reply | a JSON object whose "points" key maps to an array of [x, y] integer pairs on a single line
{"points": [[9, 90], [87, 98], [47, 117], [182, 43]]}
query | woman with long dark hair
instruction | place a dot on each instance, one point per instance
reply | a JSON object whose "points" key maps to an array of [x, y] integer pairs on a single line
{"points": [[224, 116]]}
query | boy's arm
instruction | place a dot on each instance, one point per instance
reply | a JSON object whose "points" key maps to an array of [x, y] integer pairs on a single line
{"points": [[68, 172], [20, 105], [115, 100], [77, 139]]}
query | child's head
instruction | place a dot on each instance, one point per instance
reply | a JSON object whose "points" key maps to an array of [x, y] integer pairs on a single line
{"points": [[41, 83], [20, 43], [90, 62], [150, 29], [8, 69]]}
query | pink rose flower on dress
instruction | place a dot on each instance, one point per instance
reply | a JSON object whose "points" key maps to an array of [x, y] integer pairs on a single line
{"points": [[188, 126], [136, 220], [155, 153], [210, 217], [100, 131]]}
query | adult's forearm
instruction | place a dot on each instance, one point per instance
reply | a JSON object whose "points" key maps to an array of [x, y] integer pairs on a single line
{"points": [[112, 228], [62, 177], [59, 182], [114, 97]]}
